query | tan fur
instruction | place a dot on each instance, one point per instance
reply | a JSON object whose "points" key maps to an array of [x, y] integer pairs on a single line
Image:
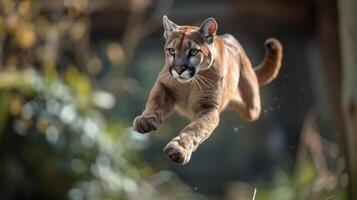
{"points": [[230, 81]]}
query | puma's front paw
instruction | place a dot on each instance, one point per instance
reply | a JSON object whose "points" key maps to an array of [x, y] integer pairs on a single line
{"points": [[145, 124], [178, 151]]}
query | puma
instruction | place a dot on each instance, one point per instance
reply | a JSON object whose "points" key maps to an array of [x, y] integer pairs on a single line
{"points": [[204, 73]]}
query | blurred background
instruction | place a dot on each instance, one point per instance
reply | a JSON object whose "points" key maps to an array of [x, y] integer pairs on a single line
{"points": [[75, 73]]}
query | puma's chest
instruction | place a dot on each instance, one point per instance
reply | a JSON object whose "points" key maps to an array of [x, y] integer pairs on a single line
{"points": [[190, 104], [186, 103]]}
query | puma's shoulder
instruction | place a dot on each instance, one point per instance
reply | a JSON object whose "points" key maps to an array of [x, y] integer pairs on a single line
{"points": [[230, 40], [231, 43]]}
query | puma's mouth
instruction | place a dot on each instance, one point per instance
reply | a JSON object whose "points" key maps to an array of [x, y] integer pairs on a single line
{"points": [[183, 75]]}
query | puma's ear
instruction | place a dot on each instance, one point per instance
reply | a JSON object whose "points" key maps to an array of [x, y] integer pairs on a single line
{"points": [[169, 26], [208, 29]]}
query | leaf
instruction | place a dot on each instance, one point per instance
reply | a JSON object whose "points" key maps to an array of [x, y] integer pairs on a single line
{"points": [[80, 85]]}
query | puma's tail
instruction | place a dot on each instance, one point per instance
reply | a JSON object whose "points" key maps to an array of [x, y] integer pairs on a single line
{"points": [[269, 68]]}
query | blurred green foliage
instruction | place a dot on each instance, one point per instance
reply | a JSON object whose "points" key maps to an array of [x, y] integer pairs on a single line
{"points": [[63, 146]]}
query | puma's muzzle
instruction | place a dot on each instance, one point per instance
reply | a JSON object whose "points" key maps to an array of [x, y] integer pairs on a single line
{"points": [[183, 73]]}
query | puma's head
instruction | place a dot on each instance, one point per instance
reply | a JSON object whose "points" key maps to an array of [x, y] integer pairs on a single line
{"points": [[189, 49]]}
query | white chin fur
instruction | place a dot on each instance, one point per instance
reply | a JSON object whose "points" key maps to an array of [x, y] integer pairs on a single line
{"points": [[181, 80], [175, 74]]}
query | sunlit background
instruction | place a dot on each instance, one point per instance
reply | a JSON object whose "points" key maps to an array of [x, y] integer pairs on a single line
{"points": [[75, 73]]}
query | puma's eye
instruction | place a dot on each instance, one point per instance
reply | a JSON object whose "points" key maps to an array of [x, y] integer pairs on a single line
{"points": [[193, 52], [171, 51]]}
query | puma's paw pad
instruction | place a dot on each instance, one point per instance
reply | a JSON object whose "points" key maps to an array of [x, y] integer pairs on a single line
{"points": [[177, 153], [145, 124]]}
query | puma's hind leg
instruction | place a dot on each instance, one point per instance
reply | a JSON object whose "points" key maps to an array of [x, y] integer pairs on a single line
{"points": [[249, 111], [247, 99]]}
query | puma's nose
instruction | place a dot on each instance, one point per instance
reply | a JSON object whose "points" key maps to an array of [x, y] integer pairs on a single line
{"points": [[180, 69]]}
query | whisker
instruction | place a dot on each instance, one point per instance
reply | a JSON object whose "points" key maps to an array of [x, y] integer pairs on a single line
{"points": [[209, 81], [202, 81], [208, 84], [198, 84], [198, 80], [206, 80], [194, 83]]}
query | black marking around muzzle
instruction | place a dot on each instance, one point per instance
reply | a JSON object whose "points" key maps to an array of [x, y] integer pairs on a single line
{"points": [[192, 70]]}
